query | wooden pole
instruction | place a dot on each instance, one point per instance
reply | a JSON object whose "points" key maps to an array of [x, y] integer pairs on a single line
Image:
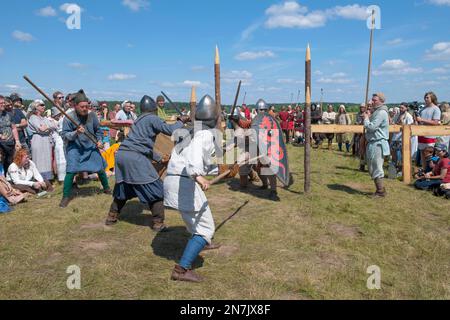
{"points": [[217, 87], [308, 142], [406, 154], [370, 59], [193, 103], [308, 121]]}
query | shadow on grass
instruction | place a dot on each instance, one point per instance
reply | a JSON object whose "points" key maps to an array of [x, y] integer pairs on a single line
{"points": [[170, 245], [85, 192], [252, 190], [132, 213], [347, 189], [349, 169]]}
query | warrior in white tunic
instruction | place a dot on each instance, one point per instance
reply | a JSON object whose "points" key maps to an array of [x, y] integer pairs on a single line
{"points": [[185, 184]]}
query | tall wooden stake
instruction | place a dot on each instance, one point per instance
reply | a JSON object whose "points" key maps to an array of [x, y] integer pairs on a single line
{"points": [[369, 71], [217, 87], [308, 121], [193, 103]]}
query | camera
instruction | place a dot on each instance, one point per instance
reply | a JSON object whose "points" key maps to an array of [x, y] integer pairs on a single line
{"points": [[415, 107]]}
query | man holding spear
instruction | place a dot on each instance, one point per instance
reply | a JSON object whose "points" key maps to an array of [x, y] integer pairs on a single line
{"points": [[82, 153]]}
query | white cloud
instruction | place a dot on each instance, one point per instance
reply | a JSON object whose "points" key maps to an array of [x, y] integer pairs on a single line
{"points": [[76, 65], [121, 76], [64, 6], [247, 33], [253, 55], [355, 12], [335, 78], [440, 51], [293, 15], [289, 81], [236, 75], [440, 71], [47, 12], [395, 42], [440, 2], [136, 5], [22, 36], [11, 86], [396, 67]]}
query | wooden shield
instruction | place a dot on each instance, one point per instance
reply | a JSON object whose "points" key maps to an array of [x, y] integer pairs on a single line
{"points": [[164, 146]]}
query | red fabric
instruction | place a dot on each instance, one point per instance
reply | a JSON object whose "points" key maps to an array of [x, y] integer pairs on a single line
{"points": [[427, 140], [284, 117], [443, 164], [291, 120], [247, 114]]}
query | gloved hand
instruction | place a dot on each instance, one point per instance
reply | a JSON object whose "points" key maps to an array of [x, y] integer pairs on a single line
{"points": [[184, 119]]}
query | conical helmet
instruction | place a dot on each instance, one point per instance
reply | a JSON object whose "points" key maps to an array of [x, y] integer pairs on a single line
{"points": [[148, 104], [261, 105], [206, 109]]}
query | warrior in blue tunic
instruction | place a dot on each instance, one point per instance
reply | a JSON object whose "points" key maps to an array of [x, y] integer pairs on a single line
{"points": [[135, 173], [81, 153]]}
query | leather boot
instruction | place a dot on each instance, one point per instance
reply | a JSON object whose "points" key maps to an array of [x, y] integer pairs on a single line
{"points": [[181, 274], [112, 218], [158, 216], [64, 202], [212, 246], [244, 181], [381, 191], [254, 176]]}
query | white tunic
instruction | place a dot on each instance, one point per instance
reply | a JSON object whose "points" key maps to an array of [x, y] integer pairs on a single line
{"points": [[181, 191]]}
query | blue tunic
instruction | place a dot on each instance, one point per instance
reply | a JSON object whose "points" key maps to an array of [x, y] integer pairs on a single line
{"points": [[81, 153], [135, 174]]}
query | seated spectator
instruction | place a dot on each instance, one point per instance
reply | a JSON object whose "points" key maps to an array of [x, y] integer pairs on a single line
{"points": [[24, 175], [440, 174], [8, 195]]}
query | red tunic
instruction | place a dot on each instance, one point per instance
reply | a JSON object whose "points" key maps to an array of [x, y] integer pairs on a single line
{"points": [[284, 117], [291, 120]]}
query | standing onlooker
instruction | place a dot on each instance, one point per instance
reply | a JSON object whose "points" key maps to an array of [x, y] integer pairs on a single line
{"points": [[284, 122], [272, 112], [316, 118], [445, 121], [112, 116], [160, 101], [291, 121], [402, 118], [60, 162], [343, 118], [19, 119], [377, 136], [428, 116], [329, 117], [9, 137], [102, 115], [41, 129]]}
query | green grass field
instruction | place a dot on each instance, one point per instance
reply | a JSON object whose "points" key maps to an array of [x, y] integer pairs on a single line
{"points": [[305, 247]]}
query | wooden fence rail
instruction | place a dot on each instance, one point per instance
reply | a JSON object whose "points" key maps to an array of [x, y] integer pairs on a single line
{"points": [[408, 132]]}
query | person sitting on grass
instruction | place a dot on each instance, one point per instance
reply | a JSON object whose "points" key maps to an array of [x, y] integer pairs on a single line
{"points": [[8, 195], [24, 175], [439, 175]]}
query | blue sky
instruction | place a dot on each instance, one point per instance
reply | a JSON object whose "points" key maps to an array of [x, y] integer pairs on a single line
{"points": [[127, 48]]}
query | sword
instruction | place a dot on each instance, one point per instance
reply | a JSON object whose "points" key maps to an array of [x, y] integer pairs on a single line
{"points": [[236, 99], [231, 216], [172, 104]]}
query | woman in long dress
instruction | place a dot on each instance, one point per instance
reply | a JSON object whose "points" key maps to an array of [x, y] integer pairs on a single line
{"points": [[343, 119], [41, 129]]}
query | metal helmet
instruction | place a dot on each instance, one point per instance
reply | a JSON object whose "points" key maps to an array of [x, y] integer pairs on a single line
{"points": [[261, 105], [148, 104], [206, 109]]}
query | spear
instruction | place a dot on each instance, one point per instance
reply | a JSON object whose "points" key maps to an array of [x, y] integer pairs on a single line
{"points": [[298, 98], [236, 98], [308, 121], [245, 96], [370, 58], [193, 103], [217, 88], [75, 123]]}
